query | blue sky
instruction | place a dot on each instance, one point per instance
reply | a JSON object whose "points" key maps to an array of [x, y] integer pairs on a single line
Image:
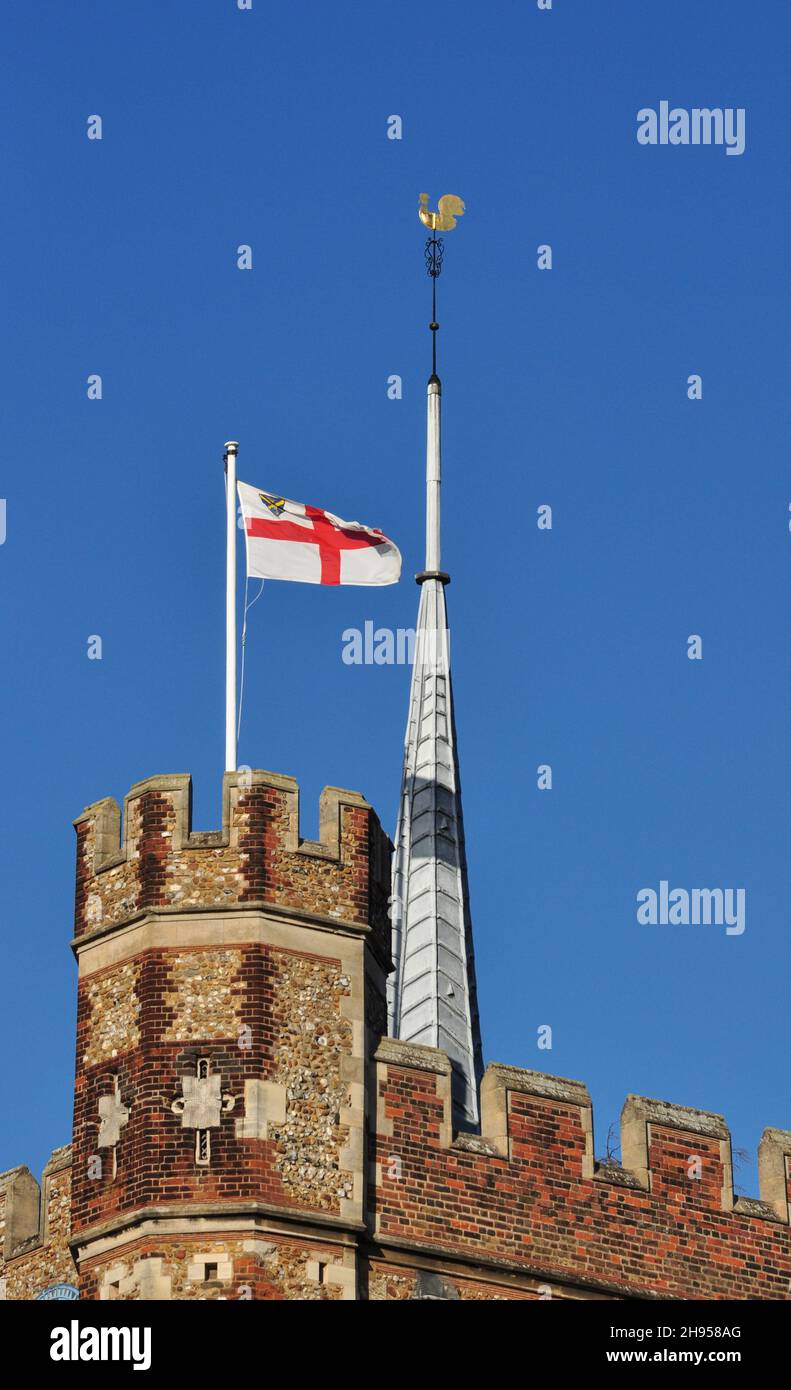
{"points": [[568, 388]]}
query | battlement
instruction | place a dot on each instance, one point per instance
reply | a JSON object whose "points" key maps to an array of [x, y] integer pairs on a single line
{"points": [[257, 858], [35, 1227], [528, 1192]]}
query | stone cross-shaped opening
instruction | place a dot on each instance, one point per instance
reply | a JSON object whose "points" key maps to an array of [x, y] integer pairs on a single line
{"points": [[113, 1115], [202, 1106]]}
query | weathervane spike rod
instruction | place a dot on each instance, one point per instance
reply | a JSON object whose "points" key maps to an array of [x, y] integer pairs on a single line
{"points": [[449, 208]]}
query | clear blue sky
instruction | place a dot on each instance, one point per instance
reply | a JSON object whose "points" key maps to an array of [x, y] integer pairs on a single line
{"points": [[567, 387]]}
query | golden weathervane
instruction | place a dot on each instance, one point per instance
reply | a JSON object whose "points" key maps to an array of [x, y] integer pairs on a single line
{"points": [[449, 208]]}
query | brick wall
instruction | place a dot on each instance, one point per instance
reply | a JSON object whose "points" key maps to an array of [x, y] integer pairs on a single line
{"points": [[293, 1006], [528, 1195]]}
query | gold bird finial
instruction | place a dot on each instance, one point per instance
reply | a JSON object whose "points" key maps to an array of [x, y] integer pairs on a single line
{"points": [[449, 208]]}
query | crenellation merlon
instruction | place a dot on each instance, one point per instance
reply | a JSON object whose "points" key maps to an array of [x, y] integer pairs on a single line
{"points": [[664, 1143], [258, 857], [774, 1170], [27, 1204]]}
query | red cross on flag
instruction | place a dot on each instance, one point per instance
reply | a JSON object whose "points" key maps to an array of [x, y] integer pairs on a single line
{"points": [[290, 540]]}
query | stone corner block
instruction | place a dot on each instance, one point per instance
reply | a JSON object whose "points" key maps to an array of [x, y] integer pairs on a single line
{"points": [[264, 1104], [412, 1056]]}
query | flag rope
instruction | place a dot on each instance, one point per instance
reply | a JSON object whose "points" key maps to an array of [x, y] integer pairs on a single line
{"points": [[247, 607]]}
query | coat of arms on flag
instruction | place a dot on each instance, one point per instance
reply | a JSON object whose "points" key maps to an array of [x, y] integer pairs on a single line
{"points": [[291, 540], [276, 505]]}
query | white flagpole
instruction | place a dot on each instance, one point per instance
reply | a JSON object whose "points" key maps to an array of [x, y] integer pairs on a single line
{"points": [[230, 606]]}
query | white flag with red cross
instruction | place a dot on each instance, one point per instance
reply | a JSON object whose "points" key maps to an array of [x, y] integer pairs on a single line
{"points": [[290, 540]]}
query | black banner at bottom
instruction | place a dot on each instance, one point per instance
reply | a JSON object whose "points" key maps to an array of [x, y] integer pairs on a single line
{"points": [[214, 1336]]}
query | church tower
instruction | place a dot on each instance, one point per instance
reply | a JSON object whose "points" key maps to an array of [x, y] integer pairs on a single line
{"points": [[231, 990], [432, 996]]}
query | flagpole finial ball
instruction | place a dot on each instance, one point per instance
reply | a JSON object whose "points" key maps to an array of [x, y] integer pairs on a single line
{"points": [[231, 446]]}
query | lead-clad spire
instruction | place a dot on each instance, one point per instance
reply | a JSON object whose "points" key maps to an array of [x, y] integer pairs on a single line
{"points": [[432, 995]]}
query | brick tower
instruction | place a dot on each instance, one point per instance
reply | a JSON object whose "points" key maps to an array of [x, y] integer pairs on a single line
{"points": [[227, 984]]}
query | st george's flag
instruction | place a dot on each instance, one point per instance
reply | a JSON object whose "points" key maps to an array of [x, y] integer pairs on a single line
{"points": [[291, 540]]}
